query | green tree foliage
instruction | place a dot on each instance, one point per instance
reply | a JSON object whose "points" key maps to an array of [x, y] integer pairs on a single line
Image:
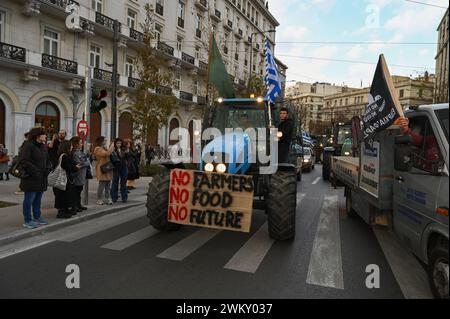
{"points": [[256, 86]]}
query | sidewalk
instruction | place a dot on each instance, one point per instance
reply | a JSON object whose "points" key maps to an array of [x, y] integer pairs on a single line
{"points": [[11, 218]]}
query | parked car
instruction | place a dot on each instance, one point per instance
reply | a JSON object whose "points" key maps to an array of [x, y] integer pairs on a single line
{"points": [[309, 159]]}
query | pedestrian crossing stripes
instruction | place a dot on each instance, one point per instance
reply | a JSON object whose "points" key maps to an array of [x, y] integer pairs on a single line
{"points": [[325, 265], [187, 246], [316, 181], [131, 239]]}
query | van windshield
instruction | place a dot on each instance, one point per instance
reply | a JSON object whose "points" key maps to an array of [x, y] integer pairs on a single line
{"points": [[443, 119]]}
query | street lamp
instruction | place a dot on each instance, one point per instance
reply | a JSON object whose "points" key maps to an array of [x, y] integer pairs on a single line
{"points": [[251, 50]]}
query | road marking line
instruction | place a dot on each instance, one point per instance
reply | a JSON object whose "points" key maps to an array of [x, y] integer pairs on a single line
{"points": [[190, 244], [325, 265], [409, 273], [250, 256], [14, 251], [93, 226], [316, 181], [131, 239]]}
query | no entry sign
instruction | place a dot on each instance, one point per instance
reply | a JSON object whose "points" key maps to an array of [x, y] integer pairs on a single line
{"points": [[211, 200], [83, 129]]}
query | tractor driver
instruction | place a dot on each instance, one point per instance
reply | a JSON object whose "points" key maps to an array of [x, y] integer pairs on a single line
{"points": [[286, 127], [244, 122]]}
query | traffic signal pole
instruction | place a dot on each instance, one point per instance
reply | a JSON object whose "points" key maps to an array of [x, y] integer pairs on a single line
{"points": [[114, 80], [87, 118]]}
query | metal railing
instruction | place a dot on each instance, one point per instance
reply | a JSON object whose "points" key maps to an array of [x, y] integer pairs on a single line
{"points": [[104, 75], [165, 48], [59, 64], [187, 58], [105, 21], [12, 52], [61, 3], [133, 82], [164, 90], [136, 35], [186, 96]]}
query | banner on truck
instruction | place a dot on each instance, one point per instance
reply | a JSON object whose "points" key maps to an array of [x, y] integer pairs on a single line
{"points": [[370, 169], [211, 200]]}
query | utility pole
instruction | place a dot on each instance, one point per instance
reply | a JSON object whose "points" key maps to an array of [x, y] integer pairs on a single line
{"points": [[87, 118], [114, 80]]}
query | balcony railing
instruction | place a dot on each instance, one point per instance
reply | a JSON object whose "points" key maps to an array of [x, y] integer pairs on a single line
{"points": [[187, 58], [164, 90], [186, 96], [59, 64], [60, 3], [167, 49], [134, 83], [201, 100], [104, 75], [12, 52], [105, 21], [136, 35], [159, 9]]}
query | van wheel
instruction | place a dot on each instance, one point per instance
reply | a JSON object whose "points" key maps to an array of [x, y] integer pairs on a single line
{"points": [[438, 271]]}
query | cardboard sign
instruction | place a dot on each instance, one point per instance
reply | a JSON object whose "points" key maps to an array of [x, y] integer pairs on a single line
{"points": [[370, 169], [211, 200]]}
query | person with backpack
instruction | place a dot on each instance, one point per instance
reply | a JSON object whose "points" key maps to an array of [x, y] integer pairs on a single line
{"points": [[35, 166]]}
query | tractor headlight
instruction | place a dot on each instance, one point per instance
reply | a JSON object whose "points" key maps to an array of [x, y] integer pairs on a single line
{"points": [[347, 153], [221, 168], [209, 167], [279, 134]]}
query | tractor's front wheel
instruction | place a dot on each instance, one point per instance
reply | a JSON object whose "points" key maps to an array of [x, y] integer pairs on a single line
{"points": [[158, 202], [281, 203]]}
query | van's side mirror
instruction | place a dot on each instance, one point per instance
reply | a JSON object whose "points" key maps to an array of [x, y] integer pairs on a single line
{"points": [[403, 158], [403, 140]]}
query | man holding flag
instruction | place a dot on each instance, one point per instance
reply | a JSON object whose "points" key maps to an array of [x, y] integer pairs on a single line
{"points": [[286, 126]]}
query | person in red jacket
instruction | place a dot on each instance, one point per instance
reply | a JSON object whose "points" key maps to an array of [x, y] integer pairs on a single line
{"points": [[431, 150]]}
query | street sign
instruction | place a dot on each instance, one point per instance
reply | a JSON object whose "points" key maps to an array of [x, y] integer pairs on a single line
{"points": [[83, 129], [211, 200]]}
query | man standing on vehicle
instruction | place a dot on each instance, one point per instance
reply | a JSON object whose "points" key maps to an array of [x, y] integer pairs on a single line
{"points": [[286, 128]]}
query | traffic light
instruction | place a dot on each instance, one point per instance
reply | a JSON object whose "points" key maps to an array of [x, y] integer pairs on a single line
{"points": [[98, 101]]}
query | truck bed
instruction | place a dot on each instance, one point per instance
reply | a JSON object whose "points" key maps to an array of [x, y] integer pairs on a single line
{"points": [[346, 169]]}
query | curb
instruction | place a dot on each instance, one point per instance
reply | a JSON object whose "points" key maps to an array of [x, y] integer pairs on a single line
{"points": [[23, 234]]}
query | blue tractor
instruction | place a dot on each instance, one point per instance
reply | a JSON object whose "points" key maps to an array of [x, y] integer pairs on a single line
{"points": [[231, 153]]}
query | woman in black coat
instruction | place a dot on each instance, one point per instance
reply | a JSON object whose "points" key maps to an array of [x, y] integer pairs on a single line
{"points": [[63, 199], [35, 166]]}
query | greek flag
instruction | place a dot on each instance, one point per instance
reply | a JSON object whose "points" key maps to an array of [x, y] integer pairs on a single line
{"points": [[272, 78], [307, 138]]}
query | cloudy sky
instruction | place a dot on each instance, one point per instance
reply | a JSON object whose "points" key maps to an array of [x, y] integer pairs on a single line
{"points": [[358, 31]]}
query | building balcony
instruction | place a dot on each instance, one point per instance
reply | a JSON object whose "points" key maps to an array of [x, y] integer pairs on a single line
{"points": [[228, 25], [201, 100], [12, 52], [136, 35], [133, 82], [202, 5], [202, 67], [163, 90], [165, 48], [189, 61], [105, 76], [216, 15], [185, 96], [60, 3], [105, 21], [59, 64], [239, 33]]}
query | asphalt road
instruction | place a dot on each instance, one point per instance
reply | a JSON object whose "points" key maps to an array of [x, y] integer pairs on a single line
{"points": [[120, 256]]}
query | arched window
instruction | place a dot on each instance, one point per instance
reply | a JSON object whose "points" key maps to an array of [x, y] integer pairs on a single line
{"points": [[2, 122], [47, 116], [174, 124]]}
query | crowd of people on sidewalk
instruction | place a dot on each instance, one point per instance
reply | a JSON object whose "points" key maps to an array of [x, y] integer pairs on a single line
{"points": [[65, 166]]}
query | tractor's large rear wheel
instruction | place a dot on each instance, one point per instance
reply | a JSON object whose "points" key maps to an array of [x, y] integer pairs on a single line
{"points": [[158, 202], [281, 203]]}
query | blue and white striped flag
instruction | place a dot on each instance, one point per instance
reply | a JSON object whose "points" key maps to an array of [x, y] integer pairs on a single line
{"points": [[307, 138], [272, 77]]}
